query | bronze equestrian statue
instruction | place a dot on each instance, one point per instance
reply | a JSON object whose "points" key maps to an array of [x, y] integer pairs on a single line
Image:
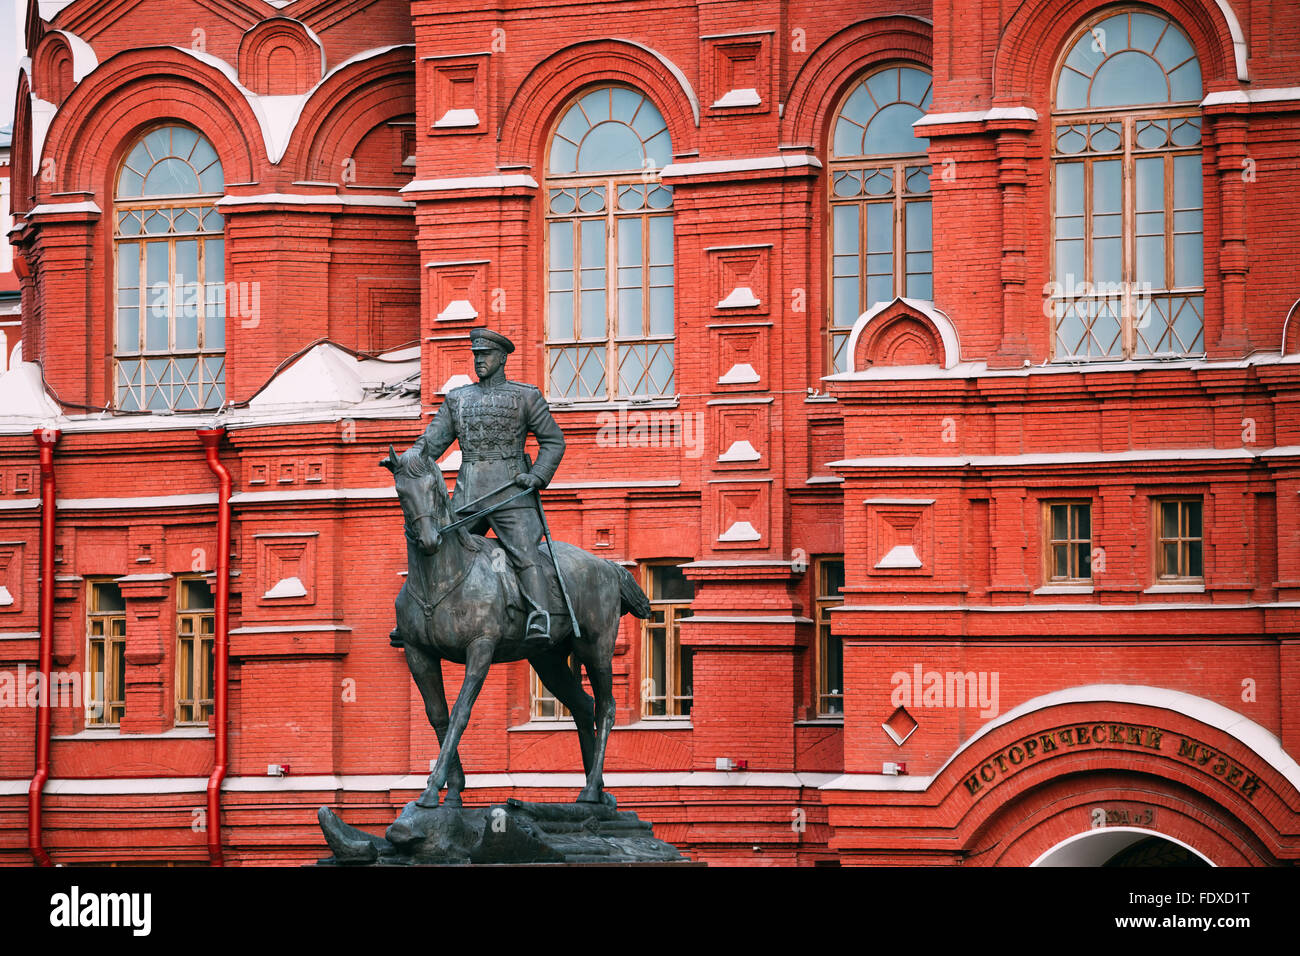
{"points": [[492, 419], [479, 601]]}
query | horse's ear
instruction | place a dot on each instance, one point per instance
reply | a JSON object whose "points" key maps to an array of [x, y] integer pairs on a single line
{"points": [[391, 461]]}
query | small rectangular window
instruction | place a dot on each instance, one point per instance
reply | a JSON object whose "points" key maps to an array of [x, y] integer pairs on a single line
{"points": [[666, 672], [829, 684], [106, 655], [1179, 539], [1069, 541], [195, 630]]}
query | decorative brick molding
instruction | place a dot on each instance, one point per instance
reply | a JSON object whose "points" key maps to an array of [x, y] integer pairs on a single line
{"points": [[280, 57], [456, 93], [738, 72]]}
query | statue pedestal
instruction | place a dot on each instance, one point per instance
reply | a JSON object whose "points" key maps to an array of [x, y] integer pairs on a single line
{"points": [[513, 832]]}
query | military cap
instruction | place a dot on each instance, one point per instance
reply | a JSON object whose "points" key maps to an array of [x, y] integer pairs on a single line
{"points": [[481, 338]]}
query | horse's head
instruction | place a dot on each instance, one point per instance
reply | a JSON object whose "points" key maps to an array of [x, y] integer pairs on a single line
{"points": [[423, 496]]}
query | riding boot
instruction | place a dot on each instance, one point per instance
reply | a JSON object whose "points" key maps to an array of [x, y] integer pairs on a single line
{"points": [[537, 631], [395, 638]]}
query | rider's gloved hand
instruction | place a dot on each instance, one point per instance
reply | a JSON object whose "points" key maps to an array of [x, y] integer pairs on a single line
{"points": [[527, 480]]}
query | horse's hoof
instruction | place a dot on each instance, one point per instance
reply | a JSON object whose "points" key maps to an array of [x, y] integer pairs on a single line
{"points": [[427, 801], [453, 799]]}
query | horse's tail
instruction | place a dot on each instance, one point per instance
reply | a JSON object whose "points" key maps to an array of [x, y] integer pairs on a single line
{"points": [[633, 599]]}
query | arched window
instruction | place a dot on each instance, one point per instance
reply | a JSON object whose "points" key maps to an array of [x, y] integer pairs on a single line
{"points": [[169, 248], [880, 233], [609, 222], [1126, 150]]}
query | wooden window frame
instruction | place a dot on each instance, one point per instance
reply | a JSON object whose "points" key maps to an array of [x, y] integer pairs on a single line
{"points": [[203, 202], [676, 704], [202, 651], [111, 660], [898, 197], [1070, 542], [823, 602], [1128, 153], [612, 340], [1179, 538]]}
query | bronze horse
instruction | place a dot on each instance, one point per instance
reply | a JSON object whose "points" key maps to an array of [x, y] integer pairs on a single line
{"points": [[461, 603]]}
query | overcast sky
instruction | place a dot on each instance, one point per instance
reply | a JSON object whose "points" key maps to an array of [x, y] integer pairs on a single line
{"points": [[8, 59]]}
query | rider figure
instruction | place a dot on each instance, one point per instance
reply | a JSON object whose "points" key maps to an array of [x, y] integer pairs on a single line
{"points": [[492, 419]]}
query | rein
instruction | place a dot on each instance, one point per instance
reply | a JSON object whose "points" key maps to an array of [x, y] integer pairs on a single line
{"points": [[430, 606]]}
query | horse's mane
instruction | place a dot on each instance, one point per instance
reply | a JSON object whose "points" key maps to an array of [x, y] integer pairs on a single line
{"points": [[419, 465]]}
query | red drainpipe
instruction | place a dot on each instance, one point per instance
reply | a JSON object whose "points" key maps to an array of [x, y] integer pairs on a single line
{"points": [[211, 439], [46, 438]]}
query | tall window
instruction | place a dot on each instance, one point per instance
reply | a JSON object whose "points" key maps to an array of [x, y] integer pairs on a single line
{"points": [[666, 674], [1179, 540], [609, 236], [170, 337], [106, 655], [881, 244], [195, 627], [1126, 150], [829, 690], [1069, 542]]}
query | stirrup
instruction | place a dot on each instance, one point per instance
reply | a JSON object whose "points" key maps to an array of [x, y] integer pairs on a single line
{"points": [[542, 633]]}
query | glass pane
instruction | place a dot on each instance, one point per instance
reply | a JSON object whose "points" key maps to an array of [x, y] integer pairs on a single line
{"points": [[668, 583], [1193, 511], [108, 598], [1168, 519], [1194, 566], [1059, 567], [1082, 521], [1060, 524], [561, 241]]}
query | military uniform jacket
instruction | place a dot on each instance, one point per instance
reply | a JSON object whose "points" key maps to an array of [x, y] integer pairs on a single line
{"points": [[491, 421]]}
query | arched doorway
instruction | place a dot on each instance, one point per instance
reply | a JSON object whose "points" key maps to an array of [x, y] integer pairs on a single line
{"points": [[1122, 847]]}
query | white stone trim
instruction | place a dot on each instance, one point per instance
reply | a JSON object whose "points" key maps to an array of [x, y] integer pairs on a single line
{"points": [[387, 782], [1039, 608], [1049, 458], [304, 199], [981, 369], [947, 331], [978, 116], [708, 167], [1276, 94], [135, 504], [1239, 51], [55, 208], [289, 628], [312, 494], [470, 182]]}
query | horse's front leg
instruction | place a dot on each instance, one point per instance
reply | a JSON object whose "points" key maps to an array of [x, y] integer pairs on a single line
{"points": [[426, 669], [478, 657]]}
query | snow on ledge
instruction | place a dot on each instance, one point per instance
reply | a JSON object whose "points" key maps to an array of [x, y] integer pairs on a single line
{"points": [[455, 119], [741, 531], [456, 381], [327, 375], [947, 331], [740, 450], [741, 297], [22, 394], [456, 310], [286, 588], [900, 556], [744, 97], [742, 373]]}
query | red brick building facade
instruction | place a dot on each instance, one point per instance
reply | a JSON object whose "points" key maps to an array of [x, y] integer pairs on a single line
{"points": [[934, 367]]}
